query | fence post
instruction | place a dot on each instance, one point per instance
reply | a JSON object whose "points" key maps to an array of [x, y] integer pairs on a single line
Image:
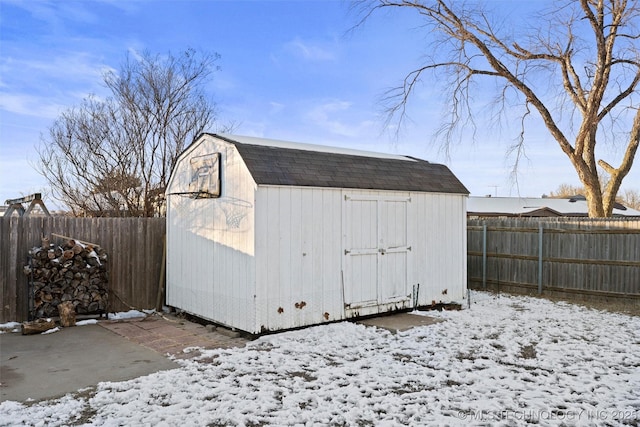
{"points": [[540, 234], [484, 256]]}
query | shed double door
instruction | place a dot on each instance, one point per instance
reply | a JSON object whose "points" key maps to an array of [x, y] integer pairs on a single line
{"points": [[376, 250]]}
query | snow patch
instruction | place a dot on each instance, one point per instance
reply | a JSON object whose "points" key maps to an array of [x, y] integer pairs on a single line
{"points": [[506, 361], [10, 327], [87, 322], [131, 314]]}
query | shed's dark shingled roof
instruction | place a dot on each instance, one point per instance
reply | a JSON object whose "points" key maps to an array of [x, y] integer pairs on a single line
{"points": [[286, 166]]}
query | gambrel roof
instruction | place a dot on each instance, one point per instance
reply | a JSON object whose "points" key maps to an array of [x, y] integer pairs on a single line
{"points": [[272, 162]]}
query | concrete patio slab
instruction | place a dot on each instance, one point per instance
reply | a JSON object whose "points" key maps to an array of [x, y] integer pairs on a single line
{"points": [[51, 365], [399, 322]]}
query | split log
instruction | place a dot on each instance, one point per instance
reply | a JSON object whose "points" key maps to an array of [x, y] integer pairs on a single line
{"points": [[38, 326], [67, 314], [76, 273]]}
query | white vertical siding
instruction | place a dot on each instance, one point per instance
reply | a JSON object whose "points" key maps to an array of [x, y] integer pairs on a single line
{"points": [[210, 242], [439, 263], [298, 263], [329, 236]]}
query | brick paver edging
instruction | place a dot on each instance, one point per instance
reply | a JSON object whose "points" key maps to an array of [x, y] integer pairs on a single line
{"points": [[170, 336]]}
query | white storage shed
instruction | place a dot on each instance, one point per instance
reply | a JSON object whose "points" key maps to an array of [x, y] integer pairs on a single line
{"points": [[266, 235]]}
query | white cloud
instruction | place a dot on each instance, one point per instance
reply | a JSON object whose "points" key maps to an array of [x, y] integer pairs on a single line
{"points": [[310, 51], [333, 116], [46, 87], [57, 13], [68, 65], [276, 107], [30, 105]]}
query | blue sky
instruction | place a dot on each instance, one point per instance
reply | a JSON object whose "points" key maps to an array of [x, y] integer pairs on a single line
{"points": [[289, 70]]}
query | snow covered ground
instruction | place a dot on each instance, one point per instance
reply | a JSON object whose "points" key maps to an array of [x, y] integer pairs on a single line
{"points": [[506, 361]]}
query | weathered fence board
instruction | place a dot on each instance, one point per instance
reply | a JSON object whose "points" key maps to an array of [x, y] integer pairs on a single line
{"points": [[588, 257], [134, 247]]}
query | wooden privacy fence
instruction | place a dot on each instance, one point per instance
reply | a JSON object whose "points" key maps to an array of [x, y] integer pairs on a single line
{"points": [[134, 247], [565, 257]]}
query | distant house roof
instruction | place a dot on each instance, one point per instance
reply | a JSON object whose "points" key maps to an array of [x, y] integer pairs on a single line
{"points": [[533, 206], [272, 162]]}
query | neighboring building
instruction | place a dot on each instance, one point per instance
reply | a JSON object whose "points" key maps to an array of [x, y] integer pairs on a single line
{"points": [[266, 235], [536, 207]]}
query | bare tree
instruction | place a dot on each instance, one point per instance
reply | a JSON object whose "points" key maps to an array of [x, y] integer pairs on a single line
{"points": [[631, 198], [628, 198], [579, 70], [115, 156], [565, 191]]}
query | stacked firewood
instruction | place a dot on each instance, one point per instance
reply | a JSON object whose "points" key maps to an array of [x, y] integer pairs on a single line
{"points": [[74, 272]]}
